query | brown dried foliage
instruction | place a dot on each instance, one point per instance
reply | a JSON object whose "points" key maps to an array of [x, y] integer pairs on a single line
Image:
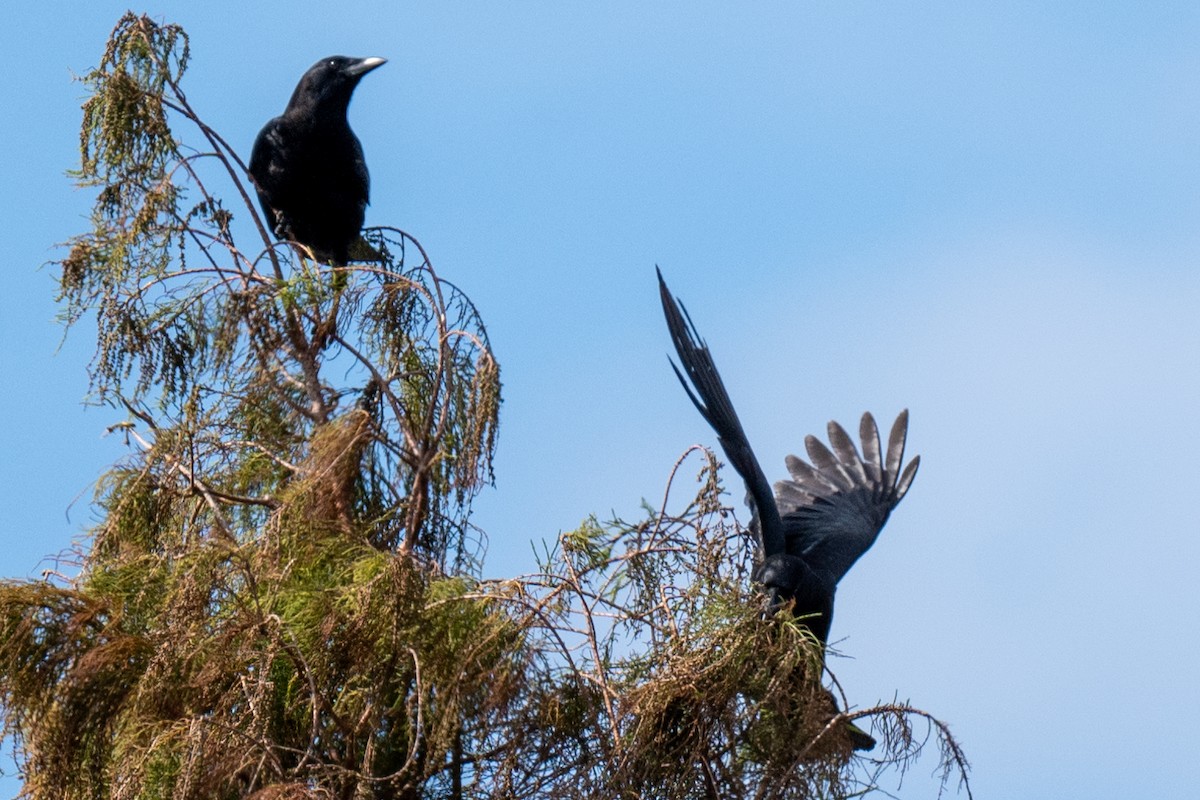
{"points": [[280, 600]]}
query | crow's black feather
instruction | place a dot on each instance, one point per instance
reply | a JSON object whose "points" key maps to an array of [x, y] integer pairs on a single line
{"points": [[813, 527], [713, 403], [308, 166]]}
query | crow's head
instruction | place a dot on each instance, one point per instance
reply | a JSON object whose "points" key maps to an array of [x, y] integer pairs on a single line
{"points": [[328, 84]]}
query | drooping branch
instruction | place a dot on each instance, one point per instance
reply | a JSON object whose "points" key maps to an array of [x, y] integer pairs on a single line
{"points": [[281, 595]]}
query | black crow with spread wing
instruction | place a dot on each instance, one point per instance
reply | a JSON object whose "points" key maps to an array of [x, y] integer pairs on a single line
{"points": [[308, 166], [813, 527]]}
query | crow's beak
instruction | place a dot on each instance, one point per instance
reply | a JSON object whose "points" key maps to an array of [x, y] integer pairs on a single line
{"points": [[775, 600], [365, 65], [859, 739]]}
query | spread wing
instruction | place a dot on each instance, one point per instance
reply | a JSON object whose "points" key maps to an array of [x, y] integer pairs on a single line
{"points": [[834, 508], [712, 401]]}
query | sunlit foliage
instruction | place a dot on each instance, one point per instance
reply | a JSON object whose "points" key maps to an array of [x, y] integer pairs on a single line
{"points": [[281, 596]]}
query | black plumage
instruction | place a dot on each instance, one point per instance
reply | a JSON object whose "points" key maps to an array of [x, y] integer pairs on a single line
{"points": [[814, 526], [308, 166]]}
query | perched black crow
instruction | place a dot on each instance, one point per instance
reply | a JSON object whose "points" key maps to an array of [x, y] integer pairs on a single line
{"points": [[816, 525], [308, 165]]}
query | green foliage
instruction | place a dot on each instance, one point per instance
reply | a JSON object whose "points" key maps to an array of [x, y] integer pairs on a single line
{"points": [[281, 599], [129, 152], [223, 357]]}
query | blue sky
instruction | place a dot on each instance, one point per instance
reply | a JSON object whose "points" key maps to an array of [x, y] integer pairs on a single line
{"points": [[985, 214]]}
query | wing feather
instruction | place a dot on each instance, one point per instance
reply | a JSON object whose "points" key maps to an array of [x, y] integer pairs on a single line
{"points": [[895, 448], [847, 454], [849, 498], [706, 390], [807, 477], [868, 431], [906, 478], [826, 462]]}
